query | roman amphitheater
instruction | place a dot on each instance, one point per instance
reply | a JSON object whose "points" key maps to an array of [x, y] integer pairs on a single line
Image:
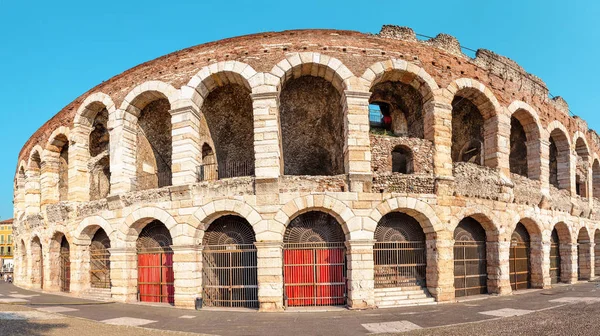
{"points": [[310, 168]]}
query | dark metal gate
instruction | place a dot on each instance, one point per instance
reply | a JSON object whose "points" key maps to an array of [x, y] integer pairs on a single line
{"points": [[597, 253], [554, 257], [100, 260], [399, 252], [470, 262], [155, 264], [64, 266], [230, 277], [314, 261], [519, 265]]}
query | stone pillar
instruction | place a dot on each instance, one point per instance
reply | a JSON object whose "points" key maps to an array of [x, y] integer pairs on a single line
{"points": [[79, 156], [568, 262], [187, 151], [497, 142], [32, 192], [545, 166], [123, 274], [570, 170], [270, 275], [498, 253], [123, 144], [540, 264], [357, 149], [187, 271], [49, 178], [440, 266], [534, 158], [268, 159], [20, 194], [584, 260], [592, 261], [80, 268], [361, 282], [51, 266], [437, 117]]}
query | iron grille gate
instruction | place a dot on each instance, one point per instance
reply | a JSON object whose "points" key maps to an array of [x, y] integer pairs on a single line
{"points": [[315, 274], [400, 264], [519, 265], [100, 268], [554, 263], [470, 268], [597, 259], [155, 275], [230, 276], [65, 267]]}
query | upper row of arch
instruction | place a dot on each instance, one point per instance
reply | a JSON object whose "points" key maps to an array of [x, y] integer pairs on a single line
{"points": [[296, 65]]}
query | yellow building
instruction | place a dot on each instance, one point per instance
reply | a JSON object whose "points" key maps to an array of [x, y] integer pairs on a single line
{"points": [[6, 246]]}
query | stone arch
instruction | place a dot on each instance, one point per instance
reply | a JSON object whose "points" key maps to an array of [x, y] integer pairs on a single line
{"points": [[208, 213], [476, 119], [91, 106], [482, 214], [296, 65], [536, 256], [145, 93], [417, 209], [559, 155], [402, 71], [327, 204], [138, 219], [86, 229], [33, 186], [596, 177], [55, 168], [20, 184], [525, 118], [582, 164], [564, 233]]}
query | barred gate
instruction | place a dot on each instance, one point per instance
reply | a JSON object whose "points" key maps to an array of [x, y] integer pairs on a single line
{"points": [[230, 273], [314, 261], [400, 254], [64, 266], [597, 254], [470, 262], [100, 260], [519, 265], [554, 257], [155, 264]]}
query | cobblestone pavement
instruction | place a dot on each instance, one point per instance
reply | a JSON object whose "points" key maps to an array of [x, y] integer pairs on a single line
{"points": [[563, 310]]}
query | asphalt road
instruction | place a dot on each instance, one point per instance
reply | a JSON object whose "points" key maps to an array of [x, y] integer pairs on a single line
{"points": [[563, 310]]}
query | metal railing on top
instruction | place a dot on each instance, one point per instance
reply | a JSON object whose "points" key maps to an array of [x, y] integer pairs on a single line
{"points": [[213, 171]]}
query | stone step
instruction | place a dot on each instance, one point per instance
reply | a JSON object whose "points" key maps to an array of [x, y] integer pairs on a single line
{"points": [[414, 292], [395, 289], [402, 297], [403, 303]]}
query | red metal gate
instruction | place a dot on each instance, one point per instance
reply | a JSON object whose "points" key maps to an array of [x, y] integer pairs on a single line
{"points": [[155, 277], [315, 274]]}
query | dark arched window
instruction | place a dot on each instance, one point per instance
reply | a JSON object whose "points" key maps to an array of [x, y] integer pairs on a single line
{"points": [[402, 160]]}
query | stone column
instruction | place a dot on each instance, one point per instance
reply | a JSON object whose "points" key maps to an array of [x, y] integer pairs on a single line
{"points": [[592, 261], [437, 117], [497, 142], [123, 144], [584, 260], [270, 275], [187, 271], [545, 166], [534, 158], [570, 170], [357, 149], [361, 282], [79, 156], [123, 274], [80, 267], [187, 151], [568, 262], [540, 274], [51, 266], [440, 266], [49, 178], [498, 253], [268, 160], [32, 192], [20, 194]]}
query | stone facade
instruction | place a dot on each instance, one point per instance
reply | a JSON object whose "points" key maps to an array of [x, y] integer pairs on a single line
{"points": [[309, 94]]}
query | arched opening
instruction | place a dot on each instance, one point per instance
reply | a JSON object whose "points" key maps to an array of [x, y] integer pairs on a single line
{"points": [[596, 179], [518, 148], [100, 260], [208, 170], [314, 261], [559, 160], [582, 162], [99, 141], [154, 144], [400, 253], [402, 160], [519, 259], [229, 115], [33, 185], [470, 261], [555, 267], [396, 108], [37, 264], [229, 269], [155, 264], [584, 260], [597, 253], [467, 131], [62, 143], [312, 127], [64, 274]]}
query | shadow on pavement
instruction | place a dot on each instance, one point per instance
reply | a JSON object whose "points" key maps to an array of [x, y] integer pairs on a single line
{"points": [[29, 328]]}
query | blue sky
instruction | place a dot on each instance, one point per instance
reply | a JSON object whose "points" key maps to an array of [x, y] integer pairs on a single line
{"points": [[53, 51]]}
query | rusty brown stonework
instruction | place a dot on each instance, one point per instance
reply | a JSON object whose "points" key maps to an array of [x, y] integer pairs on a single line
{"points": [[271, 126]]}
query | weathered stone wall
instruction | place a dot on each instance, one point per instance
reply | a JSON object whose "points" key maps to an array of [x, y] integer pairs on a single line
{"points": [[312, 127], [473, 180], [526, 191], [292, 184], [560, 200], [382, 147], [467, 131], [403, 183]]}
